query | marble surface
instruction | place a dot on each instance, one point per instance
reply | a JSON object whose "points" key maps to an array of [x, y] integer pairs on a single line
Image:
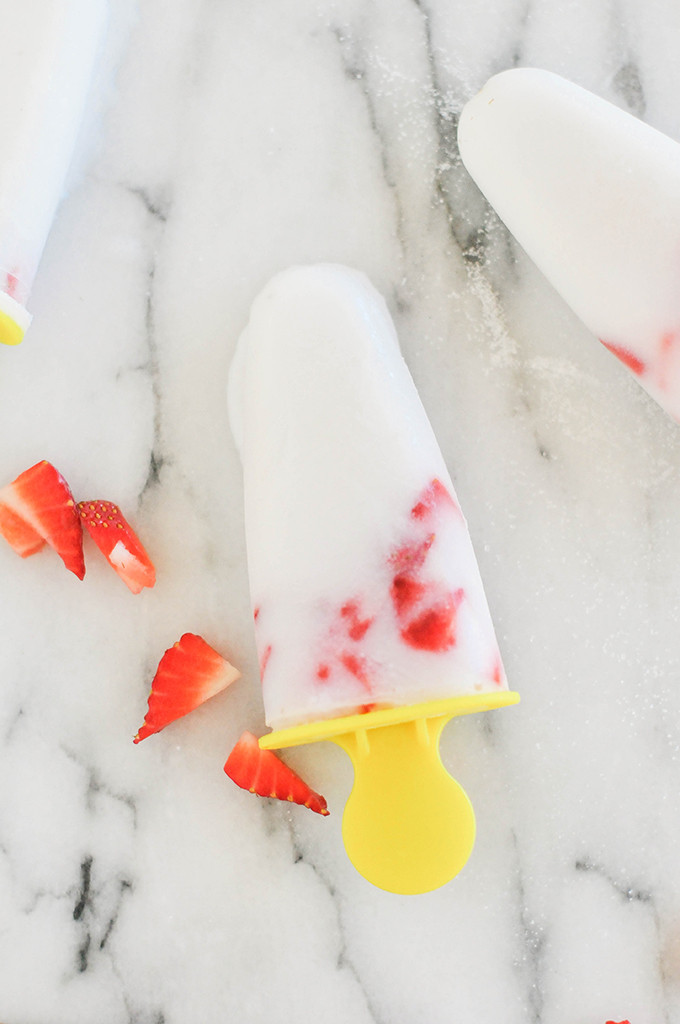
{"points": [[223, 142]]}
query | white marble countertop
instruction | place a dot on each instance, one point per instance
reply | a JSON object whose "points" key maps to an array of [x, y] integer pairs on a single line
{"points": [[137, 884]]}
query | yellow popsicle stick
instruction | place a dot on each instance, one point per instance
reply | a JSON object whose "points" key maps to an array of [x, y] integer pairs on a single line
{"points": [[11, 333], [408, 826]]}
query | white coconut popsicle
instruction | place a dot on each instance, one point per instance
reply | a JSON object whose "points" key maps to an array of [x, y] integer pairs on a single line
{"points": [[364, 583], [48, 54], [593, 196]]}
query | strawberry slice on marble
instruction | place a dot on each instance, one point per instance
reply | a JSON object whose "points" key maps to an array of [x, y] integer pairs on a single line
{"points": [[118, 542], [17, 532], [38, 508], [189, 673], [262, 772]]}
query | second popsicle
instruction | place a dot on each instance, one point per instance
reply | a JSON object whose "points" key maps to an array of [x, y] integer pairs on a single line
{"points": [[370, 616], [593, 196]]}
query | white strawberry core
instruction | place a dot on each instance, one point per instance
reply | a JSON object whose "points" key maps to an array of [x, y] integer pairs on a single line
{"points": [[121, 558]]}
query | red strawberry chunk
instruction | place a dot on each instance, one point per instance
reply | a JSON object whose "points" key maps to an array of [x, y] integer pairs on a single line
{"points": [[411, 557], [357, 627], [497, 671], [628, 358], [264, 660], [118, 542], [262, 772], [357, 666], [189, 673], [406, 592], [38, 507], [433, 497], [434, 628]]}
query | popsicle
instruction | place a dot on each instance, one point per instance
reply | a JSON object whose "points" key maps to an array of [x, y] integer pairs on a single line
{"points": [[593, 196], [48, 54], [371, 621]]}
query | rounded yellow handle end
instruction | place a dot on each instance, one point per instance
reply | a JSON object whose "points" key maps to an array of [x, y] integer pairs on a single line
{"points": [[408, 826], [11, 332]]}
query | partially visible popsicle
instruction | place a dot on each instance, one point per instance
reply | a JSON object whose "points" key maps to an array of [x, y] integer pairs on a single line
{"points": [[366, 593], [593, 196], [48, 54]]}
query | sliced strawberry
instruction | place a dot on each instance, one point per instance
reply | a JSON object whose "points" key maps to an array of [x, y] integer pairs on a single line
{"points": [[189, 673], [262, 772], [18, 533], [118, 542], [38, 506]]}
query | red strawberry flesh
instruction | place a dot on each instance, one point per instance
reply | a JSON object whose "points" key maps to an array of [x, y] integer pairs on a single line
{"points": [[628, 358], [18, 533], [38, 507], [262, 772], [118, 542], [189, 673]]}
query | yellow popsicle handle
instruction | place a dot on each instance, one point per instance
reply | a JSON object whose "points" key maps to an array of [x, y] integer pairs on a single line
{"points": [[11, 333], [408, 826]]}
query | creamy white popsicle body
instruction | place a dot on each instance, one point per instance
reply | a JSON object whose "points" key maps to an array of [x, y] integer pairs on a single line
{"points": [[365, 588], [48, 54], [593, 196]]}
